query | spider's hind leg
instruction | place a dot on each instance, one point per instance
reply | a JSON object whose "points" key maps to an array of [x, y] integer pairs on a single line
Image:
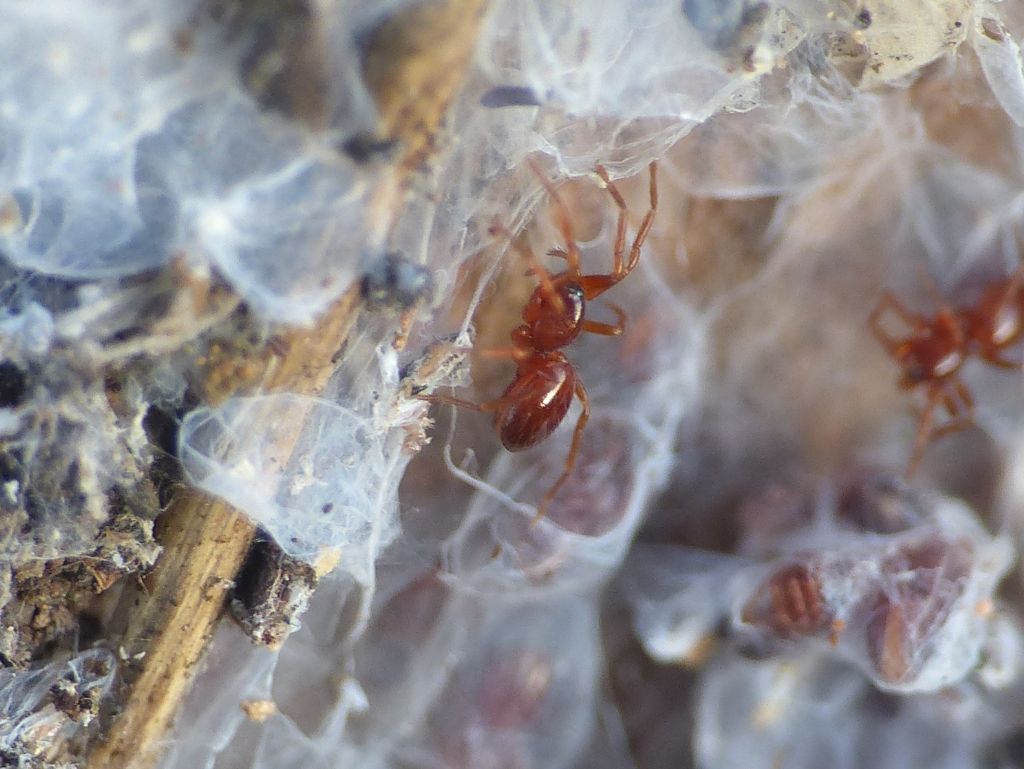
{"points": [[574, 450]]}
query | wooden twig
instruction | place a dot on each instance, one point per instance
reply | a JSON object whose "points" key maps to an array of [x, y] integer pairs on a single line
{"points": [[415, 65]]}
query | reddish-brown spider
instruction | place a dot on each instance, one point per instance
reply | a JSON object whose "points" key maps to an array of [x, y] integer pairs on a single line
{"points": [[934, 351], [545, 383], [930, 356]]}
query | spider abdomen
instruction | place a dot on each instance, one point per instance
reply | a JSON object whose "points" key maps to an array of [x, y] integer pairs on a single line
{"points": [[538, 400]]}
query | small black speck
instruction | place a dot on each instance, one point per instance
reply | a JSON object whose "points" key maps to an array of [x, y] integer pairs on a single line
{"points": [[364, 148], [13, 384], [958, 24], [327, 508], [863, 19]]}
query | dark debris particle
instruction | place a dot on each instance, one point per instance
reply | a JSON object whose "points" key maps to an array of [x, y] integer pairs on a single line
{"points": [[12, 466], [165, 471], [90, 629], [13, 385], [365, 148], [161, 429], [509, 96], [271, 591], [65, 697], [35, 508], [395, 282], [81, 706], [863, 19]]}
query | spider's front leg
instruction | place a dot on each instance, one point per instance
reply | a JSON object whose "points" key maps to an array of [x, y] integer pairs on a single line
{"points": [[889, 302]]}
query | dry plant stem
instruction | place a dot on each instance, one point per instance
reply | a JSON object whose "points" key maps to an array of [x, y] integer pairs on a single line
{"points": [[172, 618], [415, 66], [205, 542]]}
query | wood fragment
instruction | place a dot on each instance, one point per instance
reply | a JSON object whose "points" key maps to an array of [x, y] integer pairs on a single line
{"points": [[414, 66], [171, 618]]}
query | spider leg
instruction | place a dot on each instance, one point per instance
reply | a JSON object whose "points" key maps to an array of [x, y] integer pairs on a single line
{"points": [[536, 268], [607, 329], [961, 413], [603, 329], [574, 449], [886, 303], [595, 285], [924, 429], [487, 406], [645, 225], [556, 252], [620, 229], [932, 288], [1013, 285], [562, 217], [513, 353], [449, 400], [996, 359]]}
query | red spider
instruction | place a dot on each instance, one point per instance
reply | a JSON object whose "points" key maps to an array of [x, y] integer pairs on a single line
{"points": [[931, 356], [539, 397]]}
